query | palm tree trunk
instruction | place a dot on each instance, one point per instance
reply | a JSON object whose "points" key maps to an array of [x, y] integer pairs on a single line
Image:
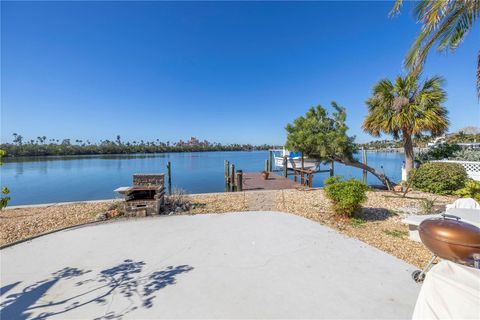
{"points": [[409, 156], [354, 163], [478, 74]]}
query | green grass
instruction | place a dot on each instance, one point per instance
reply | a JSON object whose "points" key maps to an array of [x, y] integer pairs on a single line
{"points": [[357, 222], [199, 204], [427, 206], [396, 233]]}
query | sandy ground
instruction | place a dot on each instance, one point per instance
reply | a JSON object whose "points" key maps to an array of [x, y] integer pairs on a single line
{"points": [[379, 223]]}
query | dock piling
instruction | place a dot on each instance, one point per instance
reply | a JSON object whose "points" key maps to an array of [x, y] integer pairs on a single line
{"points": [[226, 168], [169, 173], [232, 177], [270, 158], [310, 178], [239, 180]]}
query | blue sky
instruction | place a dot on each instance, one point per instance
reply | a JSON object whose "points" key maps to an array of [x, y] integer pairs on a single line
{"points": [[222, 71]]}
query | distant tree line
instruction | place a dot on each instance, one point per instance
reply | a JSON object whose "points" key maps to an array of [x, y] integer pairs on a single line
{"points": [[420, 142], [42, 146]]}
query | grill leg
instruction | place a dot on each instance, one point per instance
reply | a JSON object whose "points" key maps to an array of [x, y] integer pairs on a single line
{"points": [[419, 275]]}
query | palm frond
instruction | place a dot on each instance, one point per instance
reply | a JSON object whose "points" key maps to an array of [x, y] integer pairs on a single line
{"points": [[396, 8], [406, 107], [418, 52], [445, 23]]}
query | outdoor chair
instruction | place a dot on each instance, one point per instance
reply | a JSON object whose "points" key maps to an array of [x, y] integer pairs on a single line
{"points": [[464, 203]]}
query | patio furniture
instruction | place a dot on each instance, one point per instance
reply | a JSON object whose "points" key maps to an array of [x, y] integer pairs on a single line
{"points": [[464, 203]]}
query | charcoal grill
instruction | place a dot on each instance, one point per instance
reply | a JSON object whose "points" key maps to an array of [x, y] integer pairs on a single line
{"points": [[450, 239]]}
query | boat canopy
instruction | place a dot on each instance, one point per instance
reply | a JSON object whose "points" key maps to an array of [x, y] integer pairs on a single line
{"points": [[295, 154]]}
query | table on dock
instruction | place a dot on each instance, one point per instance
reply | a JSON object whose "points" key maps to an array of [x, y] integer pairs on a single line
{"points": [[254, 181]]}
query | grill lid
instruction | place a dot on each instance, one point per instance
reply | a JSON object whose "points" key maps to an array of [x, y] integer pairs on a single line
{"points": [[451, 230]]}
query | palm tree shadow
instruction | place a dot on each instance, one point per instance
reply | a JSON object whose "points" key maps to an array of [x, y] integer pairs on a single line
{"points": [[8, 287], [125, 280], [17, 305]]}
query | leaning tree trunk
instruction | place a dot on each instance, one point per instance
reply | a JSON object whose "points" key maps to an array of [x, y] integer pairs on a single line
{"points": [[409, 156], [354, 163]]}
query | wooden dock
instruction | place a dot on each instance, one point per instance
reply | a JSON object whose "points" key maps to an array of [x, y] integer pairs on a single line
{"points": [[254, 181]]}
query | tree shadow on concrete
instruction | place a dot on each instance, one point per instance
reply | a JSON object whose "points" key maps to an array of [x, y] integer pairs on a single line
{"points": [[8, 287], [125, 280]]}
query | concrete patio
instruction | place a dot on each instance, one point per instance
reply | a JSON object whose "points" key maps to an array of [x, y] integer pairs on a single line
{"points": [[236, 265]]}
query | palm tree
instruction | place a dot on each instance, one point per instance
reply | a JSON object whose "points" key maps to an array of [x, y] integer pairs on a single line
{"points": [[444, 23], [405, 109]]}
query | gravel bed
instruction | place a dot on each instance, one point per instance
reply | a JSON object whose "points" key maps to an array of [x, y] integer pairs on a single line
{"points": [[22, 223], [218, 202]]}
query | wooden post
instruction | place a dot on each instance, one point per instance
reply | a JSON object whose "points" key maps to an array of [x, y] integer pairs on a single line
{"points": [[227, 175], [332, 173], [169, 174], [302, 179], [239, 180], [310, 178], [285, 166], [266, 165], [232, 177], [364, 160], [270, 158]]}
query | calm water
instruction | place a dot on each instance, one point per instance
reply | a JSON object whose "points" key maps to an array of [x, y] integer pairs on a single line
{"points": [[59, 179]]}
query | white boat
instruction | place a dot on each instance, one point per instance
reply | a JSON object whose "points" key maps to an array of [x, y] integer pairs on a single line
{"points": [[294, 160]]}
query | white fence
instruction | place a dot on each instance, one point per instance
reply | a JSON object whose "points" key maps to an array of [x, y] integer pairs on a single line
{"points": [[472, 167]]}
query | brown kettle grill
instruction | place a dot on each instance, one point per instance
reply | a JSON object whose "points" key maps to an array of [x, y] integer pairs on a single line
{"points": [[450, 239]]}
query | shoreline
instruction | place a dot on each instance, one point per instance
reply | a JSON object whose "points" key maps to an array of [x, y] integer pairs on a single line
{"points": [[65, 203], [11, 158]]}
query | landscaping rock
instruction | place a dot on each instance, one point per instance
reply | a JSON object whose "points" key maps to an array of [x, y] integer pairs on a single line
{"points": [[101, 216]]}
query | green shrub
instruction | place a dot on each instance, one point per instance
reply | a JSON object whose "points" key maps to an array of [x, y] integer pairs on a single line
{"points": [[440, 152], [347, 196], [427, 206], [466, 155], [3, 198], [471, 190], [438, 177]]}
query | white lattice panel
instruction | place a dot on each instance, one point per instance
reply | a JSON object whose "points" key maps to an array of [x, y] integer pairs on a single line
{"points": [[472, 167]]}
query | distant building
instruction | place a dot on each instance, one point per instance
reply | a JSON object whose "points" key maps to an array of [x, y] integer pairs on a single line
{"points": [[470, 145], [193, 142]]}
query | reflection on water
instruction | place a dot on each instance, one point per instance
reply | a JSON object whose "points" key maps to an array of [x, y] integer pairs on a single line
{"points": [[72, 178], [105, 157]]}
